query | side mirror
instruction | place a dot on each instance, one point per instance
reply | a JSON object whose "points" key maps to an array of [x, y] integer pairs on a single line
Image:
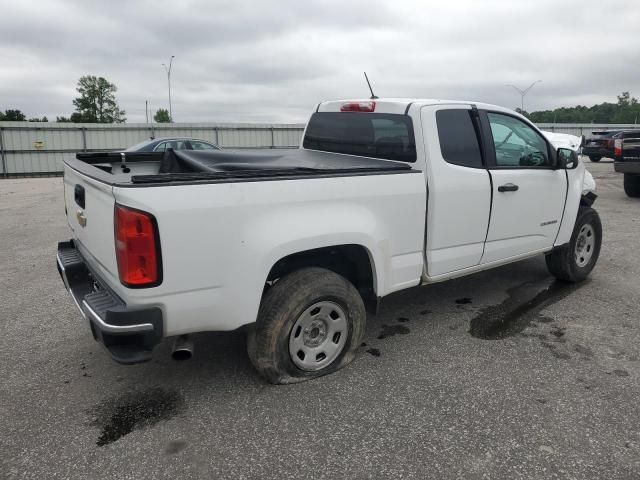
{"points": [[567, 158]]}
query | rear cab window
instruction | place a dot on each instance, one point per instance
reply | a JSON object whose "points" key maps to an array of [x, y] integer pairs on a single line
{"points": [[377, 135]]}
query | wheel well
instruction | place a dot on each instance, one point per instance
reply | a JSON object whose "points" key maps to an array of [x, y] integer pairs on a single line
{"points": [[350, 261], [587, 199]]}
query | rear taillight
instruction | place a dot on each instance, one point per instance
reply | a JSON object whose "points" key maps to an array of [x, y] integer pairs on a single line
{"points": [[137, 248], [358, 107], [617, 147]]}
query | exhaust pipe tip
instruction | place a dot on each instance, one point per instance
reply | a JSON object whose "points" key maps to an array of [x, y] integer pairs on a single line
{"points": [[182, 348]]}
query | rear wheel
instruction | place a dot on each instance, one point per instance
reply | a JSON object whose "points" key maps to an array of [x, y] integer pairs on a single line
{"points": [[310, 323], [574, 262], [632, 185], [595, 158]]}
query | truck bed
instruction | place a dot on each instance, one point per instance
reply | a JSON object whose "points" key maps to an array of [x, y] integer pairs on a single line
{"points": [[188, 166]]}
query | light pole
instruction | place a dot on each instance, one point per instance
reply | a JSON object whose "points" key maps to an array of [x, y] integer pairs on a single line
{"points": [[523, 92], [168, 70]]}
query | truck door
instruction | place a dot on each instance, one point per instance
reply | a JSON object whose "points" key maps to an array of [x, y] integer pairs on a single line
{"points": [[459, 189], [528, 192]]}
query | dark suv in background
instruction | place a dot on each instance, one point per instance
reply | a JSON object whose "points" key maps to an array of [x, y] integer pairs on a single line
{"points": [[627, 160], [602, 144]]}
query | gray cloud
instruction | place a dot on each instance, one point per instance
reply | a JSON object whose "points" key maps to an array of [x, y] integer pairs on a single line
{"points": [[272, 61]]}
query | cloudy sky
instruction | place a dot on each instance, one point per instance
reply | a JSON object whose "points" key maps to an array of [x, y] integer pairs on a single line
{"points": [[273, 60]]}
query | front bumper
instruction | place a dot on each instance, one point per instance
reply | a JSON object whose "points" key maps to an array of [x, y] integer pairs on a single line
{"points": [[129, 334]]}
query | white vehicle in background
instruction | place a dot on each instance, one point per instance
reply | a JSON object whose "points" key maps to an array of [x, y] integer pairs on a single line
{"points": [[295, 246], [575, 143], [565, 140]]}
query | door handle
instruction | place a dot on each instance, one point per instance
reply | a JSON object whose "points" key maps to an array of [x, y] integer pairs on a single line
{"points": [[509, 187]]}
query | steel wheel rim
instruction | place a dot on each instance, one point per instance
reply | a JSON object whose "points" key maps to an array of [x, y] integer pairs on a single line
{"points": [[318, 336], [585, 244]]}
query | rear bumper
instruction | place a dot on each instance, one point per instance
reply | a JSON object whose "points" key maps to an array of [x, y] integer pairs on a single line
{"points": [[597, 150], [632, 167], [129, 334]]}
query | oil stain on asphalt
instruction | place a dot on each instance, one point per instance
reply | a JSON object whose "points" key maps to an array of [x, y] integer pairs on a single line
{"points": [[121, 415], [391, 330], [525, 302]]}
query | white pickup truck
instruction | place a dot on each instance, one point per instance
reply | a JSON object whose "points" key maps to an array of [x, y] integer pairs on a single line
{"points": [[382, 195]]}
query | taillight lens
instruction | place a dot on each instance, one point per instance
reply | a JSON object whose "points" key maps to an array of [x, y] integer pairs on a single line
{"points": [[358, 107], [137, 248], [617, 149]]}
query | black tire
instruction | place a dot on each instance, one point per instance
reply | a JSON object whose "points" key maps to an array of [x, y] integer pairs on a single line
{"points": [[595, 158], [283, 304], [562, 262], [632, 185]]}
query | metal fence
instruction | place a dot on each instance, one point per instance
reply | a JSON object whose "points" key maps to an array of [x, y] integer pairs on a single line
{"points": [[38, 149], [585, 129]]}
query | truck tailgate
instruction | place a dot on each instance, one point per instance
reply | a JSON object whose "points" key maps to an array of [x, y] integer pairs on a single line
{"points": [[89, 205]]}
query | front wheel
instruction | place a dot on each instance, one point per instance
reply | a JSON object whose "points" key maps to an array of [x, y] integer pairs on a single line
{"points": [[632, 185], [574, 262], [310, 323]]}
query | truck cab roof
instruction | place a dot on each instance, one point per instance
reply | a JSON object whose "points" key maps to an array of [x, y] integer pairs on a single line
{"points": [[401, 105]]}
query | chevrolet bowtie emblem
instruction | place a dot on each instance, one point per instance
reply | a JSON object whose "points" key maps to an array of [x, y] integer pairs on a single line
{"points": [[82, 220]]}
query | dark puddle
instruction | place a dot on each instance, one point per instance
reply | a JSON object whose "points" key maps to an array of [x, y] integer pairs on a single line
{"points": [[522, 306], [175, 446], [121, 415], [391, 330], [463, 301]]}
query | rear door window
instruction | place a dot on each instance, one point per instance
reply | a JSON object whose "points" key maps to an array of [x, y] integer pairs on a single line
{"points": [[458, 139], [377, 135]]}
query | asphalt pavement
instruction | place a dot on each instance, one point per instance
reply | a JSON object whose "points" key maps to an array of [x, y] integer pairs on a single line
{"points": [[450, 384]]}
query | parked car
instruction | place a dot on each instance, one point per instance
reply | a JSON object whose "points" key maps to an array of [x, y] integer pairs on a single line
{"points": [[295, 246], [602, 143], [627, 161], [162, 144]]}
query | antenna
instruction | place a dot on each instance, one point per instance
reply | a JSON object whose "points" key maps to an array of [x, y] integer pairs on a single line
{"points": [[373, 96]]}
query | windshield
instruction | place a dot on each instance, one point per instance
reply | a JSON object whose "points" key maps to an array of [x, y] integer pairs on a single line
{"points": [[377, 135]]}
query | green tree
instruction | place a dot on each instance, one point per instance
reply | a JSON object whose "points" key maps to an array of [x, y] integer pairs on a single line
{"points": [[162, 116], [36, 119], [13, 116], [626, 110], [97, 101], [82, 118]]}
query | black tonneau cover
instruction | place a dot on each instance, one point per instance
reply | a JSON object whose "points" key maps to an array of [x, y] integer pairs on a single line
{"points": [[182, 161], [213, 165]]}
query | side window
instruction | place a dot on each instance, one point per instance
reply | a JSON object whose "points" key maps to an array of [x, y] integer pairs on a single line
{"points": [[161, 147], [458, 140], [516, 143], [201, 146]]}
